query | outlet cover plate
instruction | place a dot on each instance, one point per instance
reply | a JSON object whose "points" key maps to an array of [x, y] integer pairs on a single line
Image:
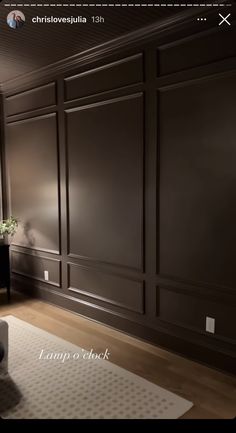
{"points": [[210, 325]]}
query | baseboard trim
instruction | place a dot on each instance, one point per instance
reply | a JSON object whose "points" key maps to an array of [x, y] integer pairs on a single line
{"points": [[222, 360]]}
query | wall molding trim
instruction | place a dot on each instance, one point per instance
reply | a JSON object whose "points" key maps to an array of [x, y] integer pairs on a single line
{"points": [[130, 174], [179, 22], [223, 356]]}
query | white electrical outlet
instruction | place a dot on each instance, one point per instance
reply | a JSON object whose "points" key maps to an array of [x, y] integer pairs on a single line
{"points": [[46, 275], [210, 325]]}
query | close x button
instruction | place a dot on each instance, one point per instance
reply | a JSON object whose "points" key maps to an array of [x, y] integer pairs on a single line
{"points": [[224, 19]]}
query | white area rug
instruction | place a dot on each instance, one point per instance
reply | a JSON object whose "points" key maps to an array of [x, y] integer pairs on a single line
{"points": [[76, 388]]}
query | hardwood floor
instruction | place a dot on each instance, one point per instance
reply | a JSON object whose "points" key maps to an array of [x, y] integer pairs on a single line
{"points": [[212, 392]]}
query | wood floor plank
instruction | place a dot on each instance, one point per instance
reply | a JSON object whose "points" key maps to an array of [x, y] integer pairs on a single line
{"points": [[212, 392]]}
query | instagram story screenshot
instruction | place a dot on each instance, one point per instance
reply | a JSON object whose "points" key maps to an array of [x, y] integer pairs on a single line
{"points": [[117, 213]]}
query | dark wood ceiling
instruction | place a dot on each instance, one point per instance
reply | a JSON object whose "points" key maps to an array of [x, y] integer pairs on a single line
{"points": [[37, 45]]}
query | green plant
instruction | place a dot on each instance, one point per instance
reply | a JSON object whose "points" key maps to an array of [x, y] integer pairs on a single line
{"points": [[8, 226]]}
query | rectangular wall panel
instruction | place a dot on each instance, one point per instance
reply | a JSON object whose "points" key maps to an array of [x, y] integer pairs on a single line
{"points": [[197, 181], [107, 77], [34, 266], [40, 97], [196, 51], [105, 181], [127, 201], [112, 289], [32, 154], [190, 311]]}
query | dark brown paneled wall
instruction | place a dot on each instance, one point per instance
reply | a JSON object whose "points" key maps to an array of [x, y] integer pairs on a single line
{"points": [[97, 155], [197, 176], [110, 288], [2, 165], [29, 100], [105, 181], [33, 266], [32, 153], [107, 77]]}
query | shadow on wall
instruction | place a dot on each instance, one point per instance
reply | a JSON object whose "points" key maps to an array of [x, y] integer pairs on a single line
{"points": [[29, 235], [28, 264]]}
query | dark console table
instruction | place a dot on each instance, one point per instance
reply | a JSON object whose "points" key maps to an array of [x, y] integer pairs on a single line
{"points": [[5, 269]]}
